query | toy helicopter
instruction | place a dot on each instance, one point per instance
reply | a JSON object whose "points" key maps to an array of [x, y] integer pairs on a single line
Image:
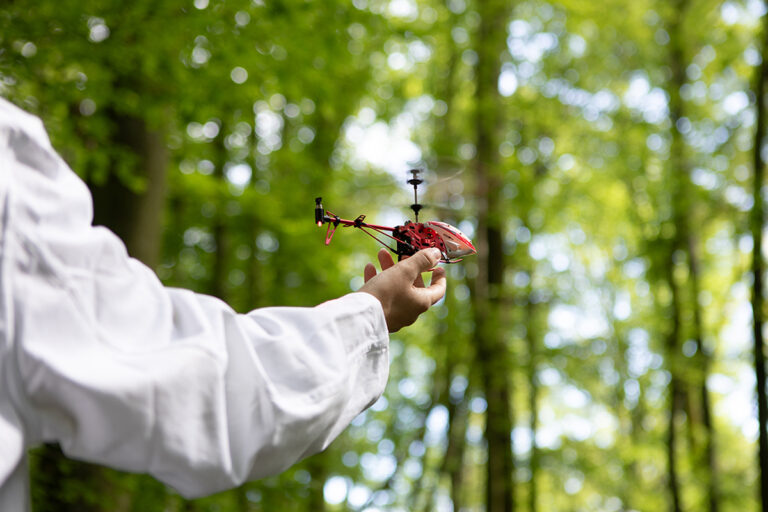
{"points": [[411, 236]]}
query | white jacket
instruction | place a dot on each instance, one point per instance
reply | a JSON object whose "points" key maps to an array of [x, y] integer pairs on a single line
{"points": [[97, 355]]}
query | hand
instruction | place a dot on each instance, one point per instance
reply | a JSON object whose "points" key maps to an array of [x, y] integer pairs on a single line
{"points": [[400, 288]]}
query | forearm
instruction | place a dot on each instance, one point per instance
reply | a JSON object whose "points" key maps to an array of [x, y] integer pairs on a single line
{"points": [[235, 397]]}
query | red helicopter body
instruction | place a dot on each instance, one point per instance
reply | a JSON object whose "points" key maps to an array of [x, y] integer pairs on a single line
{"points": [[410, 237]]}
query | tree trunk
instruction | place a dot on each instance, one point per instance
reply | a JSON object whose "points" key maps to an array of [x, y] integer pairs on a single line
{"points": [[756, 226], [135, 216], [242, 504], [217, 285], [628, 423], [456, 350], [533, 401], [492, 350], [707, 462], [673, 479], [695, 393], [59, 484], [318, 468], [453, 461], [678, 171], [676, 390]]}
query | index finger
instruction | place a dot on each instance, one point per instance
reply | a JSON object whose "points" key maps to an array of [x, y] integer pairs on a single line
{"points": [[420, 262]]}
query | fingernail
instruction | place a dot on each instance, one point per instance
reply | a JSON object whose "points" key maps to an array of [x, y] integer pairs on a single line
{"points": [[435, 253]]}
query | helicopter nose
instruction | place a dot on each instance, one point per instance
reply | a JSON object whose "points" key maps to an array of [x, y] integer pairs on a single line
{"points": [[457, 244], [456, 249], [460, 253]]}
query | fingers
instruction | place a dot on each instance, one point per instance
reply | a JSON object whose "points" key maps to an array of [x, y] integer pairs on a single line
{"points": [[421, 262], [385, 259], [413, 266], [437, 286], [400, 287], [369, 272]]}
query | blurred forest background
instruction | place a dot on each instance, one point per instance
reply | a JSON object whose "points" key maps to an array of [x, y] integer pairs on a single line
{"points": [[606, 158]]}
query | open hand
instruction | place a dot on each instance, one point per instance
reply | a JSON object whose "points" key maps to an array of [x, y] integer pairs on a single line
{"points": [[400, 288]]}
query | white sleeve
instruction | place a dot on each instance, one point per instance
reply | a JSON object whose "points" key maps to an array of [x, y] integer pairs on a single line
{"points": [[125, 372]]}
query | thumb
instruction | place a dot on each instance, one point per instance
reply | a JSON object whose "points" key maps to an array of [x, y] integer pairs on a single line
{"points": [[421, 261]]}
